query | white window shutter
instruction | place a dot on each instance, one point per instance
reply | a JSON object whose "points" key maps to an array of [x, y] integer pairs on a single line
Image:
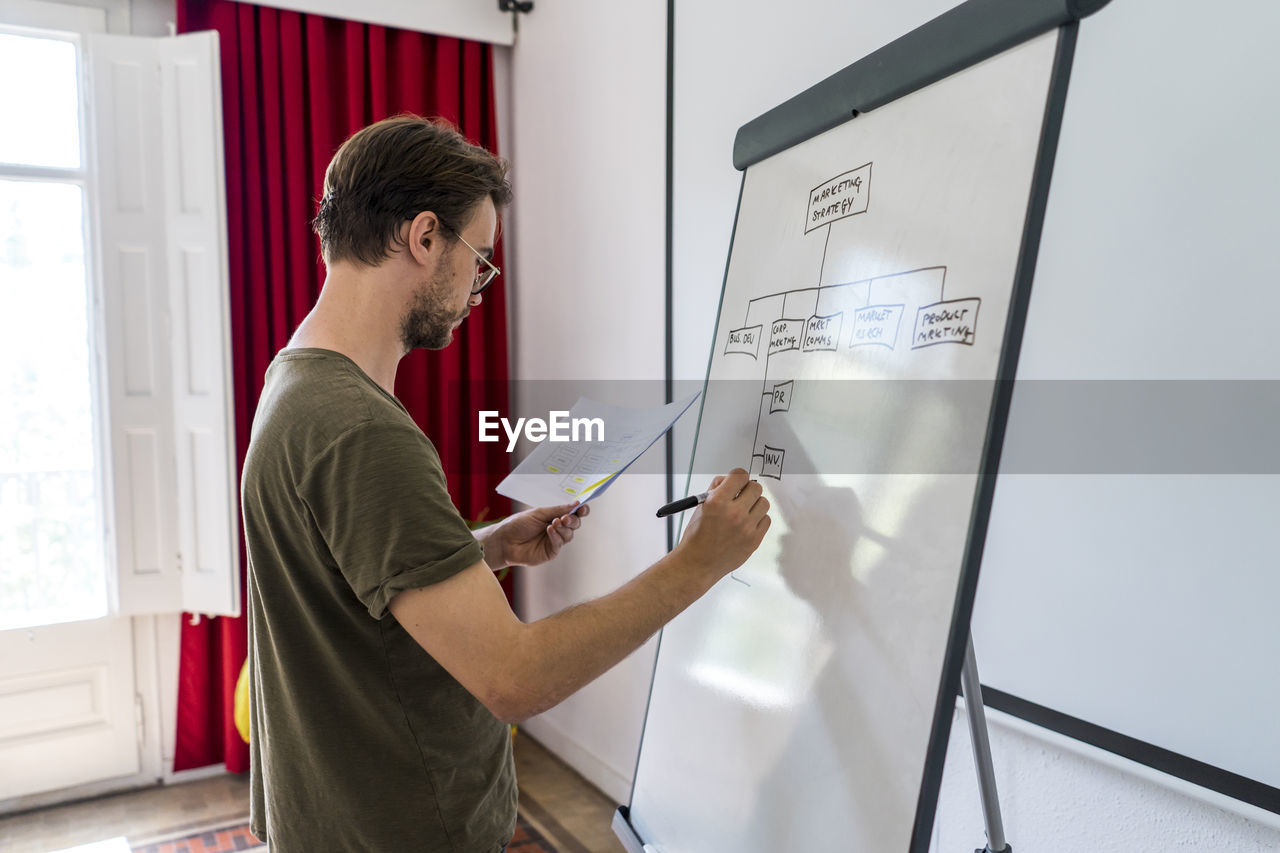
{"points": [[195, 205], [129, 208], [155, 115]]}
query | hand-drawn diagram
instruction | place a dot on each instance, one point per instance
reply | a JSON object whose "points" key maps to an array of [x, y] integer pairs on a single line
{"points": [[841, 318]]}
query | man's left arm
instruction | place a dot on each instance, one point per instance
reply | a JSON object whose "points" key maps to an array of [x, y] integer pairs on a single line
{"points": [[531, 537]]}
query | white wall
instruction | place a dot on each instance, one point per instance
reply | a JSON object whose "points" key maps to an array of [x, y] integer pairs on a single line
{"points": [[1061, 796], [588, 123], [120, 17], [588, 225]]}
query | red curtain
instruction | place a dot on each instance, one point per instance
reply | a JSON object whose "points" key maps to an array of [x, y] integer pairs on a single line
{"points": [[294, 86]]}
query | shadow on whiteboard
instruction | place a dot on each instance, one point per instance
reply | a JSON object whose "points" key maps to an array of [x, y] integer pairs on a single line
{"points": [[797, 636]]}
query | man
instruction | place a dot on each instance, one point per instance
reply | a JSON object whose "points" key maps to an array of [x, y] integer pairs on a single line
{"points": [[385, 660]]}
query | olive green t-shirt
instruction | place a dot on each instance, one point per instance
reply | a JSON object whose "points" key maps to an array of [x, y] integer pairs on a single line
{"points": [[359, 740]]}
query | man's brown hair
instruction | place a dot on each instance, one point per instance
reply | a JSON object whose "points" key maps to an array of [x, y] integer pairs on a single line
{"points": [[391, 171]]}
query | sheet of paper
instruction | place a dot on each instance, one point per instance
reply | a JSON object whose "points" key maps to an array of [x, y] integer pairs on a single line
{"points": [[564, 471]]}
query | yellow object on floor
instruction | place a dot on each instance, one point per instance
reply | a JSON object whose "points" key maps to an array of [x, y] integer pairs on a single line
{"points": [[242, 702]]}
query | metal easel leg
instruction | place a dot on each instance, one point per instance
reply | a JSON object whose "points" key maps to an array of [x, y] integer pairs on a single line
{"points": [[972, 689]]}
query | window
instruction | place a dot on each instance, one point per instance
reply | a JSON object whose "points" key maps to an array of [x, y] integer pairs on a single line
{"points": [[52, 555], [117, 479]]}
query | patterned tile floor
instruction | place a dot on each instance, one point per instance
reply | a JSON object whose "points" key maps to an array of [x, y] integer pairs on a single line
{"points": [[237, 837], [528, 840], [219, 839]]}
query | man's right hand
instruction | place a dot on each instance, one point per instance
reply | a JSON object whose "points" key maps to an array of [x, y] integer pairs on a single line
{"points": [[520, 669], [728, 527]]}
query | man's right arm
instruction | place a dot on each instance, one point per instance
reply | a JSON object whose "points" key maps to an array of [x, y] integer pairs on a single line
{"points": [[519, 670]]}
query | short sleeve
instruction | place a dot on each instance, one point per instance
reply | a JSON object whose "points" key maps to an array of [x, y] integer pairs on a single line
{"points": [[378, 495]]}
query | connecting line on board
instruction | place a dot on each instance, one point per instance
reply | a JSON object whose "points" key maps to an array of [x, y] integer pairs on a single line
{"points": [[764, 386], [942, 286], [784, 293], [817, 295], [823, 267], [746, 317], [752, 300]]}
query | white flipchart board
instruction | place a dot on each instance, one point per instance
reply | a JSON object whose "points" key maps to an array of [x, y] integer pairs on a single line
{"points": [[793, 706]]}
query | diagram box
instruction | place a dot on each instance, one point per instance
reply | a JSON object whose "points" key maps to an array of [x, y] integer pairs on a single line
{"points": [[954, 321], [772, 462], [846, 194], [876, 325], [785, 335], [780, 397], [822, 332], [744, 341]]}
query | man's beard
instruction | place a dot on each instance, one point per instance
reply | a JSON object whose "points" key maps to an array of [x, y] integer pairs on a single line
{"points": [[428, 324]]}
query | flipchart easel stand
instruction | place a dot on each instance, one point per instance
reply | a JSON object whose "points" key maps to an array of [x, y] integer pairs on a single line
{"points": [[971, 687]]}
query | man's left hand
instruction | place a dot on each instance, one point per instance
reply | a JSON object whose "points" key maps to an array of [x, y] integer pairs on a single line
{"points": [[533, 536]]}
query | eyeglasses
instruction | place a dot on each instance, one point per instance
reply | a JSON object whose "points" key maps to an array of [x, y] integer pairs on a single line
{"points": [[484, 277]]}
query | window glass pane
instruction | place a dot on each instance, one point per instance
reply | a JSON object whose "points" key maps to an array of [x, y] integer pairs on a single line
{"points": [[38, 102], [52, 554]]}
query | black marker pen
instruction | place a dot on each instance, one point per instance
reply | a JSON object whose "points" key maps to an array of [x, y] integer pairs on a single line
{"points": [[682, 504]]}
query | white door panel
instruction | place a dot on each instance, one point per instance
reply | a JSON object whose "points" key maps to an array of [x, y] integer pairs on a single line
{"points": [[67, 707]]}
